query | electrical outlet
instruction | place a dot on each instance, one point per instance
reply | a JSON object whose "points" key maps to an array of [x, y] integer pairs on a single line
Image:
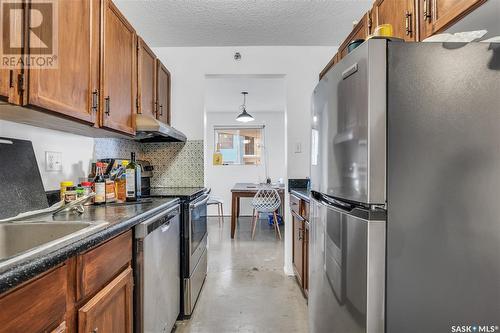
{"points": [[53, 161], [298, 147]]}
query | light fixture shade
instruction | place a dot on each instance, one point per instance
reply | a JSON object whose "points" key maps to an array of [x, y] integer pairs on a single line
{"points": [[244, 117]]}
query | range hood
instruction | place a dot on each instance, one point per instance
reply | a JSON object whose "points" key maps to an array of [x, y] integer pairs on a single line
{"points": [[149, 129]]}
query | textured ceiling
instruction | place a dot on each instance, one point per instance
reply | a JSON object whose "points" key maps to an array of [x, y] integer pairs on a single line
{"points": [[242, 22]]}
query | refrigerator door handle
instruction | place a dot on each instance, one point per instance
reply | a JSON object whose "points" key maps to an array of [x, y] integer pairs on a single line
{"points": [[344, 207]]}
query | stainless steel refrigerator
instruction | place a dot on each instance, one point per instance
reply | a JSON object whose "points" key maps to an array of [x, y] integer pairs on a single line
{"points": [[405, 180]]}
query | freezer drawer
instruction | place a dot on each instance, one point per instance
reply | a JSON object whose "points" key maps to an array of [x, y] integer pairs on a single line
{"points": [[347, 272]]}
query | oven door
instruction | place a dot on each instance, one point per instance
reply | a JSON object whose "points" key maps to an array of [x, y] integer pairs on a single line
{"points": [[197, 231]]}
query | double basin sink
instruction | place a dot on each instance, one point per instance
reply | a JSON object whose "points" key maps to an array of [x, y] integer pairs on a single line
{"points": [[20, 241]]}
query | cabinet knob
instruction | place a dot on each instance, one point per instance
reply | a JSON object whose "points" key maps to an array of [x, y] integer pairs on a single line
{"points": [[95, 330]]}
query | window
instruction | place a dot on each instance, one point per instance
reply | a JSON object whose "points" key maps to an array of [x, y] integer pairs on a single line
{"points": [[239, 145]]}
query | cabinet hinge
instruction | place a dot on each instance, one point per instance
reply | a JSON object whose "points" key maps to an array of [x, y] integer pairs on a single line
{"points": [[137, 103]]}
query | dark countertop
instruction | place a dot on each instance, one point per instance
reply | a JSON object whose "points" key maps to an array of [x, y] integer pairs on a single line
{"points": [[119, 218], [302, 193]]}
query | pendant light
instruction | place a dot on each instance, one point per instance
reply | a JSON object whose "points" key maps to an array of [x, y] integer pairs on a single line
{"points": [[244, 116]]}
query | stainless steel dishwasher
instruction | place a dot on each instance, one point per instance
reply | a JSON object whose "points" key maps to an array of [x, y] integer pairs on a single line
{"points": [[157, 272]]}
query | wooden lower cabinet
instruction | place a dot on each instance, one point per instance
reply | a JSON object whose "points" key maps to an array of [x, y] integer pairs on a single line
{"points": [[298, 247], [305, 284], [110, 310], [300, 244], [36, 306], [51, 302]]}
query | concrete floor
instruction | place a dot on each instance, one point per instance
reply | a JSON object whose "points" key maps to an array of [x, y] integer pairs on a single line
{"points": [[246, 289]]}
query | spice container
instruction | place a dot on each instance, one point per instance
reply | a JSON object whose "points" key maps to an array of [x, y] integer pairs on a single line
{"points": [[63, 187], [80, 192], [87, 190], [110, 190], [70, 194]]}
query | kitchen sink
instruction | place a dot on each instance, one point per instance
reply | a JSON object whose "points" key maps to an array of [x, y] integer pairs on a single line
{"points": [[24, 240]]}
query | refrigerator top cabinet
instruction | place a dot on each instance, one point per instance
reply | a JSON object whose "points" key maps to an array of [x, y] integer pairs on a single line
{"points": [[349, 127]]}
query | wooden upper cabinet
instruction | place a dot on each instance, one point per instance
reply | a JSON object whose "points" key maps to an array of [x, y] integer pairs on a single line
{"points": [[330, 64], [71, 88], [5, 83], [118, 71], [110, 310], [399, 13], [146, 79], [360, 31], [437, 15], [163, 76]]}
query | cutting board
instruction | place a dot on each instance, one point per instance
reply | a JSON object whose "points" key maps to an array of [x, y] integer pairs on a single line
{"points": [[21, 187]]}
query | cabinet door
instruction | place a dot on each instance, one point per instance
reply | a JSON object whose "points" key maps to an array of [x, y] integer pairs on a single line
{"points": [[72, 87], [306, 258], [5, 77], [297, 255], [437, 15], [400, 14], [360, 31], [146, 79], [330, 64], [163, 93], [119, 86], [110, 310], [37, 306]]}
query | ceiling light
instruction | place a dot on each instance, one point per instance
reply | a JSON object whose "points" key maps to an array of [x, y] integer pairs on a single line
{"points": [[244, 116]]}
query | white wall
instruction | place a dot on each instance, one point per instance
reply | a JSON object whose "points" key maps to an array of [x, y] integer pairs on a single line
{"points": [[300, 66], [221, 178], [77, 151]]}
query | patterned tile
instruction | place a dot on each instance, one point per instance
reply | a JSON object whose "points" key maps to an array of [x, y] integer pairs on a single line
{"points": [[175, 164], [116, 148]]}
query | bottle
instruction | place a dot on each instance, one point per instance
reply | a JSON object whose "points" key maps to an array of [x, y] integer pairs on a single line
{"points": [[64, 185], [99, 185], [70, 194], [217, 158], [131, 179], [80, 191]]}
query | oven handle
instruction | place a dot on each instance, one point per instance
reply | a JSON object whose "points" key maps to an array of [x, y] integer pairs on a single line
{"points": [[199, 203]]}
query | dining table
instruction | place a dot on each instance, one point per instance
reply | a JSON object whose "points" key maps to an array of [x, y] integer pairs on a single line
{"points": [[248, 190]]}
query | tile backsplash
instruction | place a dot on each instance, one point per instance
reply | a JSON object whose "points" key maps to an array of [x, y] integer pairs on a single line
{"points": [[175, 164]]}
